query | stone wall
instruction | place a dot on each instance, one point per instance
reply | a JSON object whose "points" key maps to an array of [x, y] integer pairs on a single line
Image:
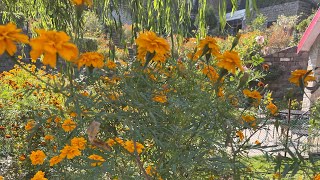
{"points": [[282, 63], [288, 9]]}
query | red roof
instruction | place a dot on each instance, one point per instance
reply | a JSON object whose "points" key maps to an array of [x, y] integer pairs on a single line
{"points": [[311, 34]]}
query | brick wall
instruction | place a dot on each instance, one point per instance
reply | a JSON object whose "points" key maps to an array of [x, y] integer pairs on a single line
{"points": [[281, 64]]}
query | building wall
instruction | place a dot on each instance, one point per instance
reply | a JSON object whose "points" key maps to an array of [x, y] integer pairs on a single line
{"points": [[281, 64], [314, 61]]}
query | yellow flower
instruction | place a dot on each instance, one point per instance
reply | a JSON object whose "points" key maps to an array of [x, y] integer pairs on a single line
{"points": [[257, 142], [48, 137], [1, 177], [120, 141], [160, 98], [111, 64], [96, 158], [90, 59], [73, 114], [299, 74], [39, 176], [30, 125], [49, 43], [230, 61], [272, 108], [110, 142], [82, 2], [150, 170], [317, 177], [210, 72], [69, 125], [254, 95], [9, 34], [70, 152], [208, 46], [37, 157], [220, 92], [129, 146], [240, 135], [79, 142], [276, 175], [149, 42], [248, 118], [55, 160]]}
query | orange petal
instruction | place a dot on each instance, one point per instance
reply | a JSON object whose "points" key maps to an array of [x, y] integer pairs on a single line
{"points": [[2, 47], [68, 51], [11, 47], [50, 59]]}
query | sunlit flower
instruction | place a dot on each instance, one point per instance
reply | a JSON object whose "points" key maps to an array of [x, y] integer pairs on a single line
{"points": [[55, 160], [317, 177], [254, 95], [73, 114], [150, 170], [160, 98], [119, 141], [111, 65], [149, 42], [69, 125], [9, 34], [272, 108], [79, 142], [240, 135], [96, 158], [299, 74], [220, 92], [37, 157], [129, 146], [49, 43], [30, 125], [48, 137], [210, 72], [208, 46], [91, 59], [110, 142], [70, 152], [230, 61], [82, 2], [39, 176]]}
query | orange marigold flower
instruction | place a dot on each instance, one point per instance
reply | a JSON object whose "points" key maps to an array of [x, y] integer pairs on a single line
{"points": [[73, 114], [240, 135], [82, 2], [129, 146], [257, 142], [39, 176], [276, 175], [48, 137], [272, 108], [260, 84], [1, 177], [230, 61], [49, 43], [120, 141], [210, 72], [299, 74], [69, 125], [79, 142], [150, 170], [208, 46], [37, 157], [91, 59], [30, 125], [70, 152], [9, 34], [248, 118], [57, 120], [160, 98], [111, 65], [265, 67], [317, 177], [96, 158], [220, 92], [149, 42], [254, 95], [110, 142], [55, 160], [22, 157]]}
